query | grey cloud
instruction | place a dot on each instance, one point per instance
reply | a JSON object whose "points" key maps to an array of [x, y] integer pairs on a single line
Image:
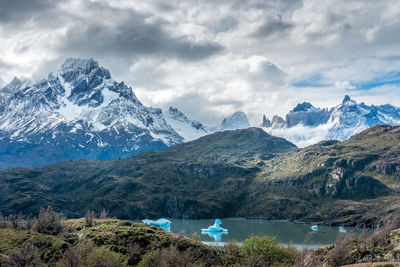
{"points": [[17, 11], [260, 4], [131, 36], [272, 26], [267, 73], [4, 64], [226, 24]]}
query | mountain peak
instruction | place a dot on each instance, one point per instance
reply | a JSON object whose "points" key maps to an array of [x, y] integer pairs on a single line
{"points": [[303, 107], [237, 120], [78, 64], [188, 129], [265, 122], [176, 112], [346, 99], [15, 85], [277, 122]]}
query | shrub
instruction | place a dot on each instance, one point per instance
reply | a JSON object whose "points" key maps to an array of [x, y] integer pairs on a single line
{"points": [[270, 251], [339, 254], [89, 218], [103, 257], [86, 254], [134, 254], [196, 236], [21, 257], [232, 253], [382, 232], [3, 221], [103, 214], [255, 261], [163, 257], [49, 222], [15, 220]]}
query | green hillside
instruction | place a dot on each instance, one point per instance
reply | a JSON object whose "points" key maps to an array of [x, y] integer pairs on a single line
{"points": [[234, 173]]}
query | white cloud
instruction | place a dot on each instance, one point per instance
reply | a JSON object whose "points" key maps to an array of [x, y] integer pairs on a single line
{"points": [[301, 135]]}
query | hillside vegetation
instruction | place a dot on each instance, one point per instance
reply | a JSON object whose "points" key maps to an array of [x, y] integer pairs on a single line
{"points": [[244, 173], [92, 242]]}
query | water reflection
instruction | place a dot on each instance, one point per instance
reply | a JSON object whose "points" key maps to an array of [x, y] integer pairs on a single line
{"points": [[216, 236]]}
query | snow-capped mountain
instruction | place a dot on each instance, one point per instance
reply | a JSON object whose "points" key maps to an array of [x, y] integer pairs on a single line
{"points": [[237, 120], [306, 124], [77, 112], [188, 129], [306, 114]]}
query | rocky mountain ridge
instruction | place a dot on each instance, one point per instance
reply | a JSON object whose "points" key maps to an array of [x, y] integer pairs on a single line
{"points": [[305, 124], [79, 112]]}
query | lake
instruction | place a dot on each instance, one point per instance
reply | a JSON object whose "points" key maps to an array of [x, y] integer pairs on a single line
{"points": [[239, 229]]}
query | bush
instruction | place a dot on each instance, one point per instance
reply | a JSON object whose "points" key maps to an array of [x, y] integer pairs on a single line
{"points": [[86, 254], [269, 251], [382, 232], [3, 221], [338, 255], [232, 252], [15, 220], [103, 257], [49, 222], [103, 214], [89, 218], [134, 254], [255, 261], [163, 257], [21, 257]]}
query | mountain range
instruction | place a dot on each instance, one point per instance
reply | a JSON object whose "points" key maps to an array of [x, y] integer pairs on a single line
{"points": [[80, 112], [305, 124]]}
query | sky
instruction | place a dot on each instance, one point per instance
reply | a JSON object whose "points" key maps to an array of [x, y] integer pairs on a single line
{"points": [[210, 58]]}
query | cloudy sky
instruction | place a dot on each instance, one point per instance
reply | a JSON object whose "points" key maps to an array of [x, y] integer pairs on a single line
{"points": [[210, 58]]}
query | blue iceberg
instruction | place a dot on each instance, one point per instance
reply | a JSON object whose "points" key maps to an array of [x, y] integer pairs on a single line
{"points": [[342, 230], [216, 228], [215, 231], [163, 223], [314, 227]]}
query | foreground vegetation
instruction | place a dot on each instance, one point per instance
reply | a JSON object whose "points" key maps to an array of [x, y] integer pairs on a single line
{"points": [[379, 246], [52, 241]]}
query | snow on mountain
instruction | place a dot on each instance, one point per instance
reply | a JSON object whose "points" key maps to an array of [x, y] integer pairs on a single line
{"points": [[306, 125], [277, 122], [77, 112], [237, 120], [188, 129], [306, 114]]}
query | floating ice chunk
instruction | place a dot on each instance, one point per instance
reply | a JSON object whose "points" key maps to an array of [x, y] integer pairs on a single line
{"points": [[216, 228], [314, 227], [215, 231], [163, 223], [342, 230]]}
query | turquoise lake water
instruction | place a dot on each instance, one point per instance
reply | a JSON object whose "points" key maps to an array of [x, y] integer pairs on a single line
{"points": [[239, 229]]}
